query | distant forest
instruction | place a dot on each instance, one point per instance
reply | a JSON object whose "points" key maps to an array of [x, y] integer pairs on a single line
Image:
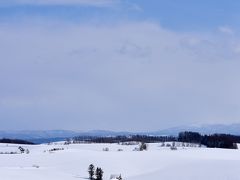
{"points": [[211, 141], [119, 139], [15, 141]]}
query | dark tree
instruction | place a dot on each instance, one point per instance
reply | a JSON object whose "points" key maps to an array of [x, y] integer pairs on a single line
{"points": [[22, 150], [14, 141], [91, 170], [120, 177], [99, 174], [143, 146]]}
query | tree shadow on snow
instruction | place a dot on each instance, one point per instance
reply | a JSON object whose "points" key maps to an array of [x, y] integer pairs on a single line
{"points": [[80, 177]]}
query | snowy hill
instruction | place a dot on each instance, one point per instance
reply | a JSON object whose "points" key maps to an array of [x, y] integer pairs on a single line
{"points": [[70, 162]]}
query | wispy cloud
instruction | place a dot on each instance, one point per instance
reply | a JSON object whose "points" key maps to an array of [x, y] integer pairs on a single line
{"points": [[97, 3], [226, 30]]}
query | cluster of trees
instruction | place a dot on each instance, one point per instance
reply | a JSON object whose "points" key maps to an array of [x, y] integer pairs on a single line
{"points": [[23, 150], [56, 149], [212, 141], [120, 139], [95, 174], [189, 137], [14, 141]]}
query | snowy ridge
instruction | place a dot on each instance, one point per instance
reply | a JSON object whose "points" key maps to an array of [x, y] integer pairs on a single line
{"points": [[70, 162]]}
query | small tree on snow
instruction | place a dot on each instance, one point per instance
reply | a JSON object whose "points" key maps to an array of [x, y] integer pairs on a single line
{"points": [[91, 170], [99, 174], [22, 150], [120, 177], [143, 146]]}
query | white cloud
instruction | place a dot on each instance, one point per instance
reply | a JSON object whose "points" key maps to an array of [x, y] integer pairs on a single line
{"points": [[113, 75]]}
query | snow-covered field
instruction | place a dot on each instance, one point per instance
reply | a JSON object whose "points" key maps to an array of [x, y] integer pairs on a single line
{"points": [[155, 164]]}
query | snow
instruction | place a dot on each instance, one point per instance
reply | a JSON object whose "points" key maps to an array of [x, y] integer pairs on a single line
{"points": [[156, 163]]}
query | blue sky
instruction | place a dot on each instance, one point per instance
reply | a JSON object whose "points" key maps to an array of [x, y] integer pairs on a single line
{"points": [[180, 15], [118, 64]]}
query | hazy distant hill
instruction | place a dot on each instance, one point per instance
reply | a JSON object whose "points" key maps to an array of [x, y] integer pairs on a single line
{"points": [[204, 129], [57, 135], [37, 134]]}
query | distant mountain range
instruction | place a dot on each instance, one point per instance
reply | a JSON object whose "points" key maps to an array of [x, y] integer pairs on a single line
{"points": [[58, 135], [55, 135], [233, 129]]}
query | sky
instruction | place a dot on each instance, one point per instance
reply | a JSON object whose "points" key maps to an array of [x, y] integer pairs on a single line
{"points": [[122, 65]]}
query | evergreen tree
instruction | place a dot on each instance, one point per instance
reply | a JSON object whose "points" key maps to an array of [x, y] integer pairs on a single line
{"points": [[99, 174], [120, 177], [91, 170], [143, 146]]}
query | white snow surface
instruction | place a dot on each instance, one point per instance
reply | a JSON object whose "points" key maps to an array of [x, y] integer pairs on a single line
{"points": [[155, 164]]}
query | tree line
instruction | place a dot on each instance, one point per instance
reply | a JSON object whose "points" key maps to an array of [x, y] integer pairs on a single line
{"points": [[15, 141], [120, 139], [211, 141]]}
